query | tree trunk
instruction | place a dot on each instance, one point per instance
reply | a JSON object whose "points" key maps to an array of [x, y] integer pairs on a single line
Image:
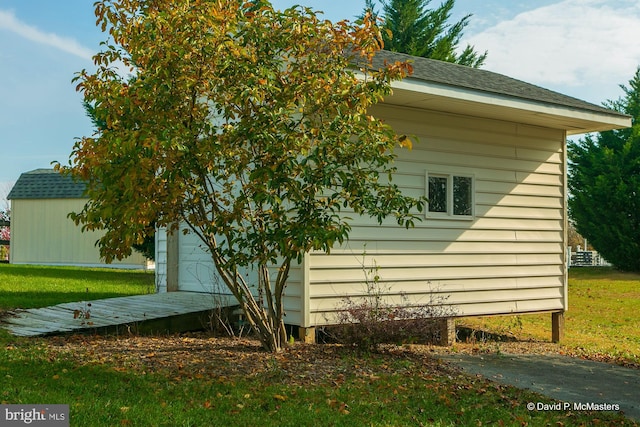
{"points": [[265, 319]]}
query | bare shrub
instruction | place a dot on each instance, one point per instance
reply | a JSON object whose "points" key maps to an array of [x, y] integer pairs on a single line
{"points": [[370, 321]]}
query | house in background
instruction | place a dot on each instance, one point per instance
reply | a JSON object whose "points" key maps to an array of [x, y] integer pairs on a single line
{"points": [[41, 231], [491, 158]]}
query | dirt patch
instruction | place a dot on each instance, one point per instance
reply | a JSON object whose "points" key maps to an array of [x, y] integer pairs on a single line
{"points": [[197, 355]]}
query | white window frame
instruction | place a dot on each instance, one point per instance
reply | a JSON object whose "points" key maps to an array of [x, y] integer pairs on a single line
{"points": [[449, 213]]}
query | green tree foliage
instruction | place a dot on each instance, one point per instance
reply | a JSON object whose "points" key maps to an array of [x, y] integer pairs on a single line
{"points": [[98, 123], [245, 125], [411, 27], [148, 246], [604, 185]]}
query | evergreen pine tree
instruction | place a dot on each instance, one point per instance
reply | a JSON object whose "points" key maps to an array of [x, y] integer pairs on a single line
{"points": [[604, 185], [409, 26]]}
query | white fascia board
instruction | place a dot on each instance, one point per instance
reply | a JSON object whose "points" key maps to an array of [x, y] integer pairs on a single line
{"points": [[582, 120]]}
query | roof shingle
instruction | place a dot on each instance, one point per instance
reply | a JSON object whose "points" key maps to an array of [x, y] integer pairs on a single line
{"points": [[460, 76], [46, 184]]}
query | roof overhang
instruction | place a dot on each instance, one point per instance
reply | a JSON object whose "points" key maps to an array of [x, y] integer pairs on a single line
{"points": [[459, 100]]}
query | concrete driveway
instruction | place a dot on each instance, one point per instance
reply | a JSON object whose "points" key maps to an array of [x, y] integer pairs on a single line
{"points": [[576, 382]]}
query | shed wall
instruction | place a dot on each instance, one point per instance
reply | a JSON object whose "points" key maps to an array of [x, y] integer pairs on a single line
{"points": [[161, 260], [41, 233], [508, 258], [196, 273]]}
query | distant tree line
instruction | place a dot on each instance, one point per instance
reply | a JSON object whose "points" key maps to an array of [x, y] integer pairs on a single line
{"points": [[604, 185]]}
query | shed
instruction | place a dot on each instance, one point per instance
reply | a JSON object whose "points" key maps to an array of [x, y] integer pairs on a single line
{"points": [[41, 231], [491, 158]]}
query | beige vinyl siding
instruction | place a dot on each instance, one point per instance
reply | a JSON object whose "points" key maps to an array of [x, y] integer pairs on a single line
{"points": [[43, 234], [294, 295], [196, 273], [509, 258], [161, 260]]}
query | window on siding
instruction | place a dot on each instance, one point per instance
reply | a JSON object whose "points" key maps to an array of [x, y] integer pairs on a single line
{"points": [[450, 195], [462, 195], [438, 193]]}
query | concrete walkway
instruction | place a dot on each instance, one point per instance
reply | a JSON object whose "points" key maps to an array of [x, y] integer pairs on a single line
{"points": [[571, 380]]}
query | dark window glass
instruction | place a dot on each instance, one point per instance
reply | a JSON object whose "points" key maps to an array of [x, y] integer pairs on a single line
{"points": [[437, 194], [462, 195]]}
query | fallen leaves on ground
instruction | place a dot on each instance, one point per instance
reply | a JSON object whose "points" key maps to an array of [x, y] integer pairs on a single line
{"points": [[393, 374], [202, 356]]}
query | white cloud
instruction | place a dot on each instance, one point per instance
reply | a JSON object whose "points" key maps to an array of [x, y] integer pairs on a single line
{"points": [[570, 43], [9, 22]]}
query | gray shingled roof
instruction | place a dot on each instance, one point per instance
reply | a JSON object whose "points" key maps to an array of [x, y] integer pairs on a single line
{"points": [[454, 75], [46, 184]]}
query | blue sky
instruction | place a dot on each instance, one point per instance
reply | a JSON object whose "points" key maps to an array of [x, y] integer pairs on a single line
{"points": [[583, 48]]}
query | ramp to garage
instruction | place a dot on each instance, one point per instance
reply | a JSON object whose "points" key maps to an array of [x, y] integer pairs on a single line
{"points": [[161, 312]]}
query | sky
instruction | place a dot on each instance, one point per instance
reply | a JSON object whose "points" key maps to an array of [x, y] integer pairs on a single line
{"points": [[582, 48]]}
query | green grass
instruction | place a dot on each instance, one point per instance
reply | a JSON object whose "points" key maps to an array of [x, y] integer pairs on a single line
{"points": [[179, 381], [30, 286], [372, 390], [603, 320]]}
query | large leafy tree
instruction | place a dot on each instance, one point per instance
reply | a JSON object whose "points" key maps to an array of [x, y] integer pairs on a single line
{"points": [[411, 27], [148, 246], [604, 185], [245, 125]]}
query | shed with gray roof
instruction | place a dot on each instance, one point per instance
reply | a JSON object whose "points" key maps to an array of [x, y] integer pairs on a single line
{"points": [[41, 230]]}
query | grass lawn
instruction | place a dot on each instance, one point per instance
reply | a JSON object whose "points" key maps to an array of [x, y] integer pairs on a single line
{"points": [[602, 323], [200, 380], [30, 286]]}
